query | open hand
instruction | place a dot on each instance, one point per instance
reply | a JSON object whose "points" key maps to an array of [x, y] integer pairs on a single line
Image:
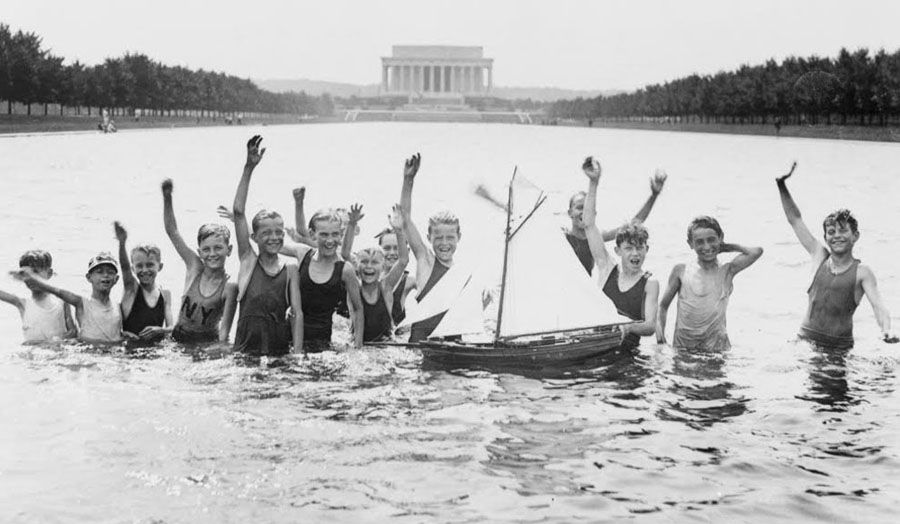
{"points": [[121, 234], [167, 187], [254, 153], [411, 167], [355, 214], [782, 178], [396, 217], [657, 181], [225, 213], [299, 194], [591, 168], [23, 274]]}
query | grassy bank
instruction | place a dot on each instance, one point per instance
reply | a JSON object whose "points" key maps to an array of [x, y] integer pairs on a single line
{"points": [[54, 123], [837, 132]]}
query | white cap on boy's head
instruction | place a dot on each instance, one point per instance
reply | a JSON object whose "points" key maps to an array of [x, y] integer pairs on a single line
{"points": [[103, 258]]}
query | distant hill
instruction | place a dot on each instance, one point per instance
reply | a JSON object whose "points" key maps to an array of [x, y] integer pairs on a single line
{"points": [[317, 87]]}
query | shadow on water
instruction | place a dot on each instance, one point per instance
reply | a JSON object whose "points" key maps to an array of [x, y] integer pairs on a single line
{"points": [[828, 385], [703, 393]]}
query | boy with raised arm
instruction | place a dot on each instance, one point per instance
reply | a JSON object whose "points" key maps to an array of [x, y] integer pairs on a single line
{"points": [[146, 307], [629, 287], [839, 280], [431, 264], [207, 289], [576, 233], [45, 317], [99, 318], [267, 285], [703, 287]]}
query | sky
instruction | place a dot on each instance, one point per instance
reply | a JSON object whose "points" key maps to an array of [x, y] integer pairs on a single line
{"points": [[574, 44]]}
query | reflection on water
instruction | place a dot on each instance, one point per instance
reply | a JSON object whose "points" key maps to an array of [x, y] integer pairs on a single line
{"points": [[702, 395], [828, 384]]}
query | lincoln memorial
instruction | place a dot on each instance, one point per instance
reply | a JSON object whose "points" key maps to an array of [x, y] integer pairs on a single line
{"points": [[436, 71]]}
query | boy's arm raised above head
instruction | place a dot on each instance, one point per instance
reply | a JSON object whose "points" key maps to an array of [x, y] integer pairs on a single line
{"points": [[129, 282], [746, 256], [356, 215], [816, 250], [300, 216], [671, 290], [27, 275], [241, 229], [657, 181], [393, 276], [592, 170], [410, 168], [882, 315], [188, 255]]}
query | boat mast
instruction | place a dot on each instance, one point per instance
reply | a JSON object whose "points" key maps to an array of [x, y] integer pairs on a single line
{"points": [[509, 206]]}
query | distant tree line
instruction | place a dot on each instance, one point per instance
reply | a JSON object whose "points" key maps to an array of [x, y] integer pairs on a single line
{"points": [[855, 88], [30, 75]]}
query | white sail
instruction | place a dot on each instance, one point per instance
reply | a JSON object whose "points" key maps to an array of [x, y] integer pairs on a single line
{"points": [[441, 296], [465, 316], [547, 288]]}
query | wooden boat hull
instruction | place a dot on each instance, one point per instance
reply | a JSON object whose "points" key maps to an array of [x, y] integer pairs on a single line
{"points": [[557, 352]]}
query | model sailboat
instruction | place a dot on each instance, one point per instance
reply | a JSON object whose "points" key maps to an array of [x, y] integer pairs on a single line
{"points": [[550, 311]]}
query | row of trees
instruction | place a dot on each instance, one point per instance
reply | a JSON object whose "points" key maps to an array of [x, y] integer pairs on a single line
{"points": [[30, 75], [855, 88]]}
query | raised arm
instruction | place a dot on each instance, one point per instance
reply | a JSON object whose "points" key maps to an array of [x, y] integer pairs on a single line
{"points": [[356, 215], [393, 276], [241, 229], [129, 281], [591, 168], [416, 243], [657, 181], [188, 255], [300, 216], [351, 284], [746, 256], [816, 250], [882, 315], [28, 276], [668, 296]]}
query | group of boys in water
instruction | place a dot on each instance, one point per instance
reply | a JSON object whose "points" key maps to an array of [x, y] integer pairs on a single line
{"points": [[292, 283]]}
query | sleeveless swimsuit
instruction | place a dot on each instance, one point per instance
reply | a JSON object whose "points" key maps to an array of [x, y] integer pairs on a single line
{"points": [[398, 313], [378, 323], [421, 329], [582, 251], [100, 323], [319, 302], [142, 315], [629, 303], [41, 324], [262, 327], [702, 302], [198, 320], [832, 302]]}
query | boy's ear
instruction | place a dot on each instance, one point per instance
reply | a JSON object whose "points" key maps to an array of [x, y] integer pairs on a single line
{"points": [[617, 250], [160, 266], [228, 253]]}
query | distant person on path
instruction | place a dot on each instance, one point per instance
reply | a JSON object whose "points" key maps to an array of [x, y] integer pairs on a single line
{"points": [[839, 280], [630, 288], [99, 318], [146, 307], [703, 287], [45, 317], [777, 126], [207, 289], [576, 232], [268, 286]]}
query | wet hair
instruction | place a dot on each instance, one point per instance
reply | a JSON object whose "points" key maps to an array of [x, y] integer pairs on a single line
{"points": [[576, 196], [151, 250], [381, 234], [707, 222], [264, 214], [633, 232], [329, 214], [370, 251], [213, 230], [443, 218], [36, 259], [841, 217]]}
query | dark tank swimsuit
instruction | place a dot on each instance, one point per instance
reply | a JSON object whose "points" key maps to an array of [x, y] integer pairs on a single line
{"points": [[629, 303], [420, 330], [582, 250], [142, 315], [319, 302], [262, 326], [378, 325], [198, 320], [832, 302], [397, 311]]}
